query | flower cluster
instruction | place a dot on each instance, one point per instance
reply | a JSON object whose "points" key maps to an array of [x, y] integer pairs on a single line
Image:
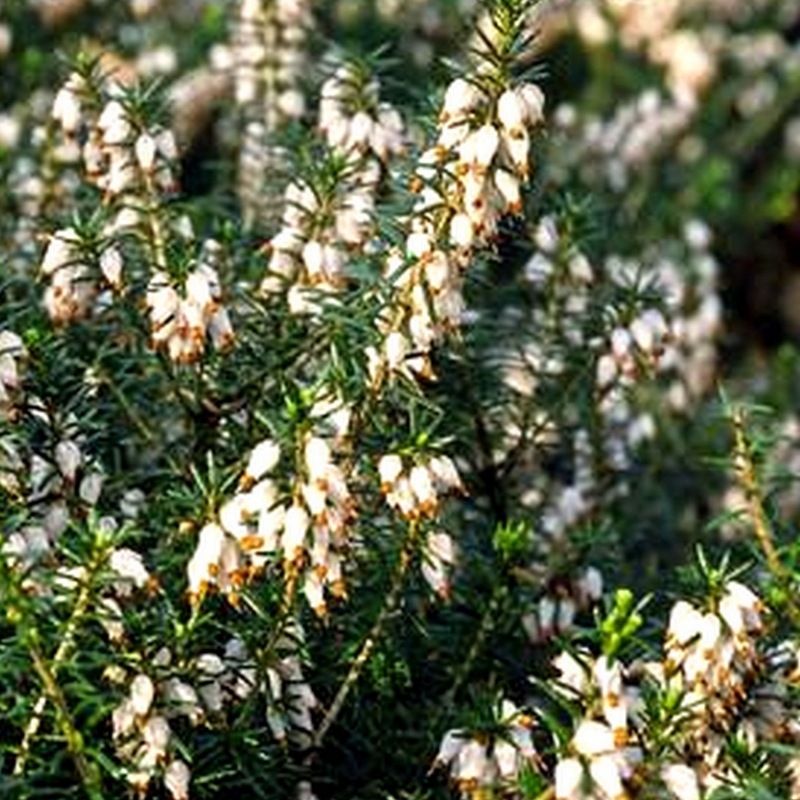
{"points": [[57, 482], [466, 182], [324, 225], [268, 58], [307, 533], [116, 151], [681, 346], [133, 164], [290, 697], [600, 760], [483, 763], [609, 151], [308, 261], [416, 492], [353, 119], [143, 737], [221, 680], [715, 658], [667, 335], [181, 325], [724, 682], [555, 611]]}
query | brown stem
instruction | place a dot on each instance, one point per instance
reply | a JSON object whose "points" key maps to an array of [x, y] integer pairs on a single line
{"points": [[389, 606]]}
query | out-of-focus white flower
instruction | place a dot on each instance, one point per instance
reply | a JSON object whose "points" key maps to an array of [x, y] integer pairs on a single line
{"points": [[155, 736], [111, 620], [590, 586], [123, 718], [181, 698], [91, 487], [212, 670], [681, 780], [12, 350], [67, 106], [129, 566], [176, 779], [439, 555], [111, 266], [68, 458], [546, 235], [132, 503], [142, 693], [648, 330], [145, 150], [390, 467], [6, 40], [305, 791]]}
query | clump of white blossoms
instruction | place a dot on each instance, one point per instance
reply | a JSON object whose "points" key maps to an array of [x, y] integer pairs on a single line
{"points": [[324, 224], [481, 764], [416, 493], [234, 676], [60, 482], [143, 739], [466, 181], [181, 325], [721, 681], [134, 164], [305, 534], [555, 611], [269, 58], [106, 135], [354, 120], [72, 289], [599, 761], [305, 261], [717, 659]]}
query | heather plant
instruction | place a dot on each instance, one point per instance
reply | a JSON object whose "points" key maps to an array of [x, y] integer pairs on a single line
{"points": [[375, 416]]}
